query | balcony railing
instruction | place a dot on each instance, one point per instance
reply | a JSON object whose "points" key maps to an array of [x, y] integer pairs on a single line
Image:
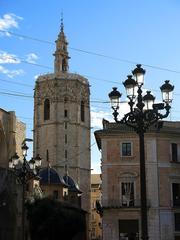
{"points": [[118, 203]]}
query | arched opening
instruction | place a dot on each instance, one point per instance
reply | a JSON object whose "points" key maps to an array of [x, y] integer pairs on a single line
{"points": [[46, 109]]}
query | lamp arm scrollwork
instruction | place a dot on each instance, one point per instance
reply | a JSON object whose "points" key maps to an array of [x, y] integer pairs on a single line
{"points": [[141, 120]]}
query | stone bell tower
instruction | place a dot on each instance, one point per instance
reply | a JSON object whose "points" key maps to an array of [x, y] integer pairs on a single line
{"points": [[62, 120]]}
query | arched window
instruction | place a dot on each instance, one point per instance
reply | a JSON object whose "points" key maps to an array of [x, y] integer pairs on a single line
{"points": [[46, 109], [82, 111]]}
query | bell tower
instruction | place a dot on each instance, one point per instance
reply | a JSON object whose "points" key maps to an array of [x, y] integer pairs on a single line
{"points": [[61, 53], [62, 120]]}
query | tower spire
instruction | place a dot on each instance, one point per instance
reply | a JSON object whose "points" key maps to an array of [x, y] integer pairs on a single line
{"points": [[61, 53], [62, 23]]}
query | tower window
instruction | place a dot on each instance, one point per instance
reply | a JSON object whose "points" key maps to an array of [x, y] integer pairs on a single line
{"points": [[46, 109], [65, 154], [65, 138], [47, 155], [65, 113], [82, 111]]}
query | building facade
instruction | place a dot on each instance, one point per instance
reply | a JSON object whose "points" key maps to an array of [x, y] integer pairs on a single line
{"points": [[12, 134], [96, 223], [121, 181], [62, 120]]}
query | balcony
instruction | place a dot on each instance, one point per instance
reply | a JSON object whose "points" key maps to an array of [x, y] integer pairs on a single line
{"points": [[118, 203]]}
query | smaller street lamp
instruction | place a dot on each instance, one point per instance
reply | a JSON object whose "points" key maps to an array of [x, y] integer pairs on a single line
{"points": [[167, 90], [24, 171]]}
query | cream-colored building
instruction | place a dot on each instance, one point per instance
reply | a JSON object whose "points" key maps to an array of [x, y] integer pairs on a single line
{"points": [[121, 181], [12, 134], [96, 223], [62, 120]]}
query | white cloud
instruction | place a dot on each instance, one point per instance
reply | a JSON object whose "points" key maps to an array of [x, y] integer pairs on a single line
{"points": [[3, 70], [8, 58], [31, 58], [97, 117], [9, 21], [11, 73]]}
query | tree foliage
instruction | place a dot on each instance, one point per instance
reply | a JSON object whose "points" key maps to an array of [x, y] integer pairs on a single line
{"points": [[49, 220]]}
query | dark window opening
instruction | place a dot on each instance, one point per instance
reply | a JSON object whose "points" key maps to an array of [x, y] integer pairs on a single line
{"points": [[126, 149], [82, 111], [65, 113], [177, 221], [46, 109], [65, 153], [128, 229], [174, 151], [55, 194], [47, 155], [65, 138], [176, 194], [65, 125]]}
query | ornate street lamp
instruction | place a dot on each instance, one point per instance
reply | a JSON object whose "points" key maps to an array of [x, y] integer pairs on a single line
{"points": [[143, 113], [24, 171]]}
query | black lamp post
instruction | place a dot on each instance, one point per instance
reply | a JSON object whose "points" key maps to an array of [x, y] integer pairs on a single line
{"points": [[24, 171], [143, 113]]}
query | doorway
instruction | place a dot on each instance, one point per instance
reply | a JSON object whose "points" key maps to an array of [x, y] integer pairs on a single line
{"points": [[128, 229]]}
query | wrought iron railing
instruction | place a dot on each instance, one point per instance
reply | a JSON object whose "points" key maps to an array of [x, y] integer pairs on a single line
{"points": [[118, 203]]}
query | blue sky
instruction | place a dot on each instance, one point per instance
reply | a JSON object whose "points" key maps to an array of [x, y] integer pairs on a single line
{"points": [[124, 32]]}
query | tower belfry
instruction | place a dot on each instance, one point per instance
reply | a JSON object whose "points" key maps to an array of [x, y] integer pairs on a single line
{"points": [[62, 120], [61, 53]]}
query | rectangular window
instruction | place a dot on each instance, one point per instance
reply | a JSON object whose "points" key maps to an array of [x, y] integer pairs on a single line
{"points": [[177, 221], [82, 111], [65, 113], [126, 149], [65, 138], [65, 153], [174, 152], [127, 193], [128, 229], [176, 194], [55, 194]]}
